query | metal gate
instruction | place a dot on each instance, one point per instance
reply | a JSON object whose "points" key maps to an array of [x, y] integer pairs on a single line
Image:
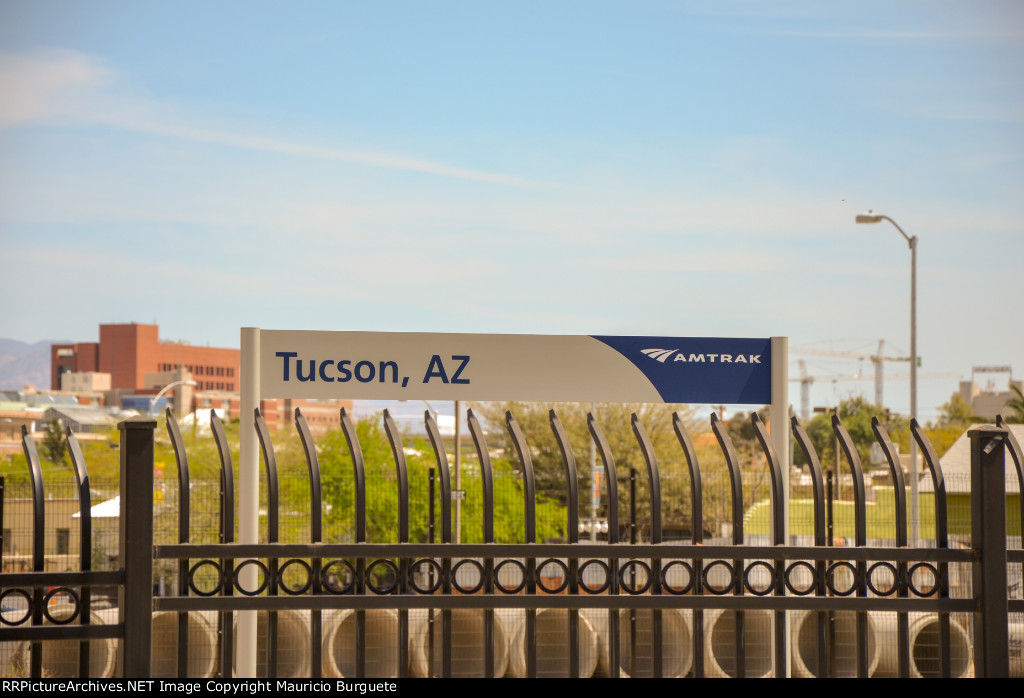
{"points": [[631, 595]]}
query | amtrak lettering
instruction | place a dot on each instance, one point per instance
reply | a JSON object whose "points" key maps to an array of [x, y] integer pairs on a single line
{"points": [[663, 354]]}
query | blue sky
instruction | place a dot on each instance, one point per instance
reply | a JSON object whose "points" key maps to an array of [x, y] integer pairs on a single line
{"points": [[662, 168]]}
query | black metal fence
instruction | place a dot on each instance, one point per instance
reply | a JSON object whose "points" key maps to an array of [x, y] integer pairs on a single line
{"points": [[533, 609]]}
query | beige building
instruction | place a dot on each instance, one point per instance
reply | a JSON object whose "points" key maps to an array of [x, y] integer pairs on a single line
{"points": [[14, 415], [84, 382], [61, 540], [988, 402], [181, 396]]}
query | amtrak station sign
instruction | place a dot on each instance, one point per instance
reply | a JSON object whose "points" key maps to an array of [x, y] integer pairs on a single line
{"points": [[539, 368], [483, 367]]}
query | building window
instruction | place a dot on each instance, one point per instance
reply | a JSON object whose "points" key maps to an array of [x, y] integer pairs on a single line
{"points": [[63, 541]]}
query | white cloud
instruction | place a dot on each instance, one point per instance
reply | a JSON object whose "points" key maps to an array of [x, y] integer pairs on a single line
{"points": [[46, 84], [729, 261], [981, 33], [75, 86]]}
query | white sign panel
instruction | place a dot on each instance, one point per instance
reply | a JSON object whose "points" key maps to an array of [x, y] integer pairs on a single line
{"points": [[541, 368]]}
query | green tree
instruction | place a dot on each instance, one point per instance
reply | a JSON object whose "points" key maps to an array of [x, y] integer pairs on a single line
{"points": [[956, 412], [1015, 406], [740, 429], [338, 483], [954, 417], [54, 445], [856, 414], [943, 436], [615, 421]]}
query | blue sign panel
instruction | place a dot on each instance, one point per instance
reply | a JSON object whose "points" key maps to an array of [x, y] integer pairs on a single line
{"points": [[701, 369]]}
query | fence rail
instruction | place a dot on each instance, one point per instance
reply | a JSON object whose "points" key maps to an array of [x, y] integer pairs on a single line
{"points": [[444, 608]]}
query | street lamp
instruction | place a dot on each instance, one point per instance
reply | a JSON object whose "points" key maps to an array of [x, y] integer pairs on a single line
{"points": [[153, 400], [872, 217]]}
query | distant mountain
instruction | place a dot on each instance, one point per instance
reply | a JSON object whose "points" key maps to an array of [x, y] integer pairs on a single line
{"points": [[22, 363]]}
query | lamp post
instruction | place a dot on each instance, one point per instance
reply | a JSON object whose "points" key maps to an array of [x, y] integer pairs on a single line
{"points": [[872, 217], [153, 400]]}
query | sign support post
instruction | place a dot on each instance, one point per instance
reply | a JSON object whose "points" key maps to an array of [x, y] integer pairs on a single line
{"points": [[778, 424], [248, 494]]}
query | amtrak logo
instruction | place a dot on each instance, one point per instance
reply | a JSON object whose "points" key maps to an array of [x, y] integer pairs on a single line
{"points": [[661, 355]]}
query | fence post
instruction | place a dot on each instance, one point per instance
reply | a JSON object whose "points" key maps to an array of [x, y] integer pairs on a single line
{"points": [[988, 537], [136, 546]]}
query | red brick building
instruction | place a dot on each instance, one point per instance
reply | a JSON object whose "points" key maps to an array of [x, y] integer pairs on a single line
{"points": [[129, 351], [321, 415]]}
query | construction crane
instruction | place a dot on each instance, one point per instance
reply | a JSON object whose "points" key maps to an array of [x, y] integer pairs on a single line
{"points": [[805, 387], [877, 359], [991, 369], [807, 381]]}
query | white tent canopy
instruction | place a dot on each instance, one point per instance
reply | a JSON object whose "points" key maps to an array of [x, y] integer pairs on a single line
{"points": [[110, 509]]}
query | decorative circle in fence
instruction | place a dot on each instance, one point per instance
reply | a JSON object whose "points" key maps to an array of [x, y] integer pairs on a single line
{"points": [[667, 587], [7, 607], [830, 578], [295, 591], [793, 588], [515, 564], [711, 588], [192, 578], [630, 587], [434, 573], [596, 563], [382, 577], [889, 575], [238, 573], [478, 572], [52, 597], [926, 583], [564, 574], [751, 585], [328, 578]]}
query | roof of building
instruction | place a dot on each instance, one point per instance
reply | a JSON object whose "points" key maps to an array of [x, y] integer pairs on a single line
{"points": [[44, 399], [92, 416], [956, 464]]}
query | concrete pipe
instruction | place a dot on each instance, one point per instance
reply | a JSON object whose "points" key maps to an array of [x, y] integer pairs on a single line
{"points": [[552, 643], [12, 660], [720, 643], [1016, 629], [844, 659], [467, 643], [293, 642], [60, 657], [202, 645], [925, 657], [381, 643], [676, 642]]}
